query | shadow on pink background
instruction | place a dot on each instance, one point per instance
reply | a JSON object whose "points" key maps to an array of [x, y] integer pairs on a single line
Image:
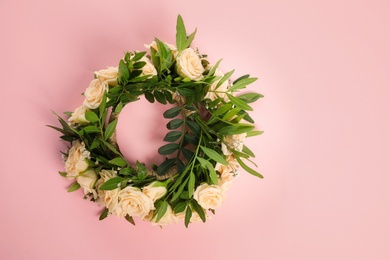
{"points": [[324, 70]]}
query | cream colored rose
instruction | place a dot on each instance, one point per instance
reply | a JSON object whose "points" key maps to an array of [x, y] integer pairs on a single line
{"points": [[155, 190], [189, 65], [94, 93], [227, 173], [195, 218], [110, 75], [108, 198], [134, 203], [235, 142], [209, 196], [148, 68], [219, 92], [77, 160], [153, 45], [168, 218], [87, 181], [78, 116]]}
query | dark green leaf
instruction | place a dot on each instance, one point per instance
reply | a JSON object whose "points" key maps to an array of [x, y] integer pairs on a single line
{"points": [[168, 149], [139, 64], [214, 155], [149, 97], [191, 139], [188, 92], [165, 166], [123, 72], [187, 153], [188, 216], [130, 219], [118, 161], [63, 174], [160, 97], [75, 186], [212, 173], [110, 129], [194, 127], [138, 55], [104, 214], [240, 78], [111, 184], [172, 112], [175, 123], [161, 210], [236, 129], [172, 136], [248, 169], [199, 210], [127, 171], [142, 171], [91, 116], [191, 184], [180, 207]]}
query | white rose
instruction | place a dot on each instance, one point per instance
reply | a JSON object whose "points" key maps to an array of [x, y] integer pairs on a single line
{"points": [[168, 218], [78, 116], [94, 93], [189, 65], [227, 172], [219, 92], [76, 162], [108, 198], [134, 203], [235, 142], [87, 181], [155, 190], [110, 75], [148, 68], [153, 45], [209, 196]]}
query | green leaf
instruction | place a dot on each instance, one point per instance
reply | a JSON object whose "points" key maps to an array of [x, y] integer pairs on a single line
{"points": [[214, 155], [111, 184], [118, 161], [91, 116], [75, 186], [110, 147], [138, 55], [254, 133], [104, 214], [194, 127], [172, 112], [229, 115], [142, 171], [248, 151], [168, 149], [149, 97], [199, 210], [160, 97], [190, 39], [119, 107], [127, 171], [110, 129], [191, 184], [250, 97], [236, 129], [175, 123], [187, 154], [212, 173], [181, 34], [130, 219], [102, 107], [123, 72], [191, 139], [165, 166], [224, 78], [240, 78], [63, 174], [248, 169], [239, 103], [242, 84], [180, 207], [161, 210], [188, 216], [172, 136], [91, 129]]}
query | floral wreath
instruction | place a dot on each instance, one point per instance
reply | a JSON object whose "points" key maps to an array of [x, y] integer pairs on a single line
{"points": [[204, 147]]}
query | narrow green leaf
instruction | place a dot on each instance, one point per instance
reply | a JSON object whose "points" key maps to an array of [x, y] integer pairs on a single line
{"points": [[123, 72], [111, 184], [187, 154], [172, 112], [91, 129], [224, 78], [248, 151], [190, 39], [110, 129], [239, 103], [91, 116], [199, 210], [242, 84], [250, 97], [191, 185], [102, 108], [188, 216], [194, 127], [236, 129], [180, 207], [214, 68], [142, 171], [138, 55], [172, 136], [214, 155], [127, 171], [104, 214], [63, 174], [248, 169], [130, 219], [75, 186], [118, 161], [162, 210], [165, 166], [168, 149], [241, 78], [254, 133], [229, 115], [174, 124], [192, 139], [119, 108], [181, 34], [212, 173]]}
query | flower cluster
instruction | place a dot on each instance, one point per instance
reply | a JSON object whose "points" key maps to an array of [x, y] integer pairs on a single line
{"points": [[205, 144]]}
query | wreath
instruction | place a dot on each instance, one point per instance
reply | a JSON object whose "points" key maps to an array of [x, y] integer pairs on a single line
{"points": [[204, 148]]}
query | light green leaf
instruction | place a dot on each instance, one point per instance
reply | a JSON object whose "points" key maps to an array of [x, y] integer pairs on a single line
{"points": [[110, 129], [191, 184], [181, 34], [119, 108], [111, 184], [188, 216], [190, 39], [142, 171], [180, 207], [75, 186], [254, 133], [214, 155], [118, 161], [91, 129], [248, 151], [236, 129], [248, 169], [123, 72], [224, 78], [91, 116], [242, 84], [199, 210], [239, 103], [162, 210], [250, 97]]}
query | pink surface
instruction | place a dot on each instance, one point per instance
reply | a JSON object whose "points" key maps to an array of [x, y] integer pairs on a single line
{"points": [[324, 69]]}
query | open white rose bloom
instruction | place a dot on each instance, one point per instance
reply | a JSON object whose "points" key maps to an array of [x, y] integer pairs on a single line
{"points": [[204, 149]]}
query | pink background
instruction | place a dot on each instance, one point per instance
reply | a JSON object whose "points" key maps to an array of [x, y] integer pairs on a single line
{"points": [[324, 69]]}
